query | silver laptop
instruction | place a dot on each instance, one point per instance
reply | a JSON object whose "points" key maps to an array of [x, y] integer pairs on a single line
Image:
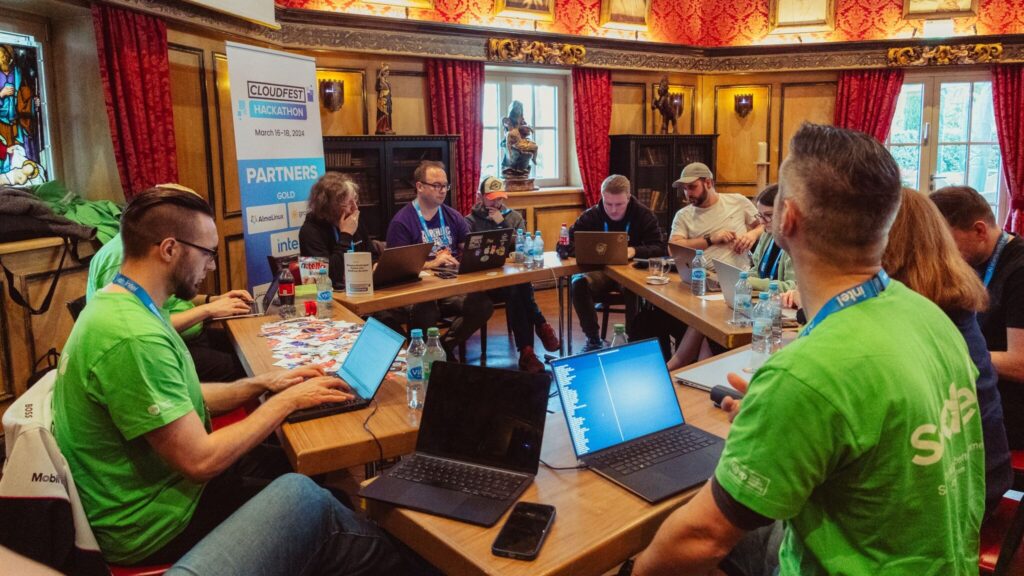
{"points": [[684, 265], [728, 276]]}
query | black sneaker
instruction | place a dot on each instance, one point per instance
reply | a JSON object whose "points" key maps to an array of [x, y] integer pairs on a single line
{"points": [[593, 344]]}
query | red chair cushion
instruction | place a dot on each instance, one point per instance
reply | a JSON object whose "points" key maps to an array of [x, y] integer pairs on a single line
{"points": [[229, 418], [138, 570], [993, 531]]}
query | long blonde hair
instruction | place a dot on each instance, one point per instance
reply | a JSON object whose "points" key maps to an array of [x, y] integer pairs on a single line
{"points": [[922, 254]]}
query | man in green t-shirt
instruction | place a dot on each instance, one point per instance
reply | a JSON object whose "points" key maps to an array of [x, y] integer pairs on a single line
{"points": [[863, 435], [132, 420]]}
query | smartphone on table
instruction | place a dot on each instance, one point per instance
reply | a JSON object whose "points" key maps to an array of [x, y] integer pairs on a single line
{"points": [[524, 531]]}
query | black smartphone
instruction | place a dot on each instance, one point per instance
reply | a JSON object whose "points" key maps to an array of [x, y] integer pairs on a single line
{"points": [[524, 532]]}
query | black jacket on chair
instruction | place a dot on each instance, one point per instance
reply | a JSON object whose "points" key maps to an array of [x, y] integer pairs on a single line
{"points": [[320, 238]]}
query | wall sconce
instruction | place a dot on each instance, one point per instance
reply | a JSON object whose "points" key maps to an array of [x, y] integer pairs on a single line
{"points": [[743, 104], [332, 94]]}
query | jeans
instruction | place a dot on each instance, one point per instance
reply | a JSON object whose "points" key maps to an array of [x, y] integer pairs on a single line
{"points": [[591, 286], [523, 313], [294, 527], [757, 553]]}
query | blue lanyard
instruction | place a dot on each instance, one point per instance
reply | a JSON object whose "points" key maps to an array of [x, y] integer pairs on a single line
{"points": [[764, 262], [445, 242], [140, 293], [866, 291], [1004, 239], [606, 226]]}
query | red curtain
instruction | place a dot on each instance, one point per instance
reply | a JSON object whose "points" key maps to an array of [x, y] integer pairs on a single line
{"points": [[866, 100], [592, 113], [456, 107], [1008, 101], [135, 70]]}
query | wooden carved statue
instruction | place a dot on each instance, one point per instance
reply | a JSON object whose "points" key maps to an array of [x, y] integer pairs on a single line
{"points": [[384, 100], [670, 106]]}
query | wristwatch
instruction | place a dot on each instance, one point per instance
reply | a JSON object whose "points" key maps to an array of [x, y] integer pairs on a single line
{"points": [[707, 238]]}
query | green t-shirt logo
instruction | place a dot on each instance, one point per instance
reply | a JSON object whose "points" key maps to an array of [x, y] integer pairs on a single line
{"points": [[929, 439]]}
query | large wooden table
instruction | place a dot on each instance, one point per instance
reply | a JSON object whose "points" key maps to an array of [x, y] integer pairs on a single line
{"points": [[711, 318], [339, 441], [598, 525]]}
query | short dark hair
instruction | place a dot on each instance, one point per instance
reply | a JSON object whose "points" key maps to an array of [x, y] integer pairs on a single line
{"points": [[159, 213], [847, 187], [767, 196], [420, 173], [962, 206], [327, 194]]}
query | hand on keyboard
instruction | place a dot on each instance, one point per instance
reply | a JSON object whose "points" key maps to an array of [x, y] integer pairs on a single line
{"points": [[313, 392]]}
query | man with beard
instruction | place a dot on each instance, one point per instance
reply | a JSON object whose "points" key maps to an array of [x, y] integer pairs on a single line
{"points": [[132, 420], [724, 226]]}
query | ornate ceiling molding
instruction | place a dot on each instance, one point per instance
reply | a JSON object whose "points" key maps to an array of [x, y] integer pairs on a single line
{"points": [[535, 52]]}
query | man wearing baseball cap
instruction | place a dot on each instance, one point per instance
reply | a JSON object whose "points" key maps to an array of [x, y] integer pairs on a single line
{"points": [[490, 213], [724, 226]]}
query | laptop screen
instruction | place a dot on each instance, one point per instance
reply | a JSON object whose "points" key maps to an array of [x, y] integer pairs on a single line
{"points": [[371, 355], [615, 395], [484, 416]]}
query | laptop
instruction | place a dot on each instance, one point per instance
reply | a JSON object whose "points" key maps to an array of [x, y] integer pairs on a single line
{"points": [[486, 250], [363, 370], [683, 257], [598, 248], [257, 308], [478, 446], [626, 424], [400, 265], [713, 373], [728, 275]]}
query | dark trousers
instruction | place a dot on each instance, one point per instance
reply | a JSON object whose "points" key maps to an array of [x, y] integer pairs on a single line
{"points": [[595, 286], [524, 316], [214, 356], [471, 312]]}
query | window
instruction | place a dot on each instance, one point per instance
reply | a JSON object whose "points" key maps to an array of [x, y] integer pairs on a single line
{"points": [[543, 98], [944, 134], [24, 139]]}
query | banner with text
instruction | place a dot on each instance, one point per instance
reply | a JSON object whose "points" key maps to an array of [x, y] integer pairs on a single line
{"points": [[279, 147]]}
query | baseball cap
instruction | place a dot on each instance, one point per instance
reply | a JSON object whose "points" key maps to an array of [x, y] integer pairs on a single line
{"points": [[492, 188], [691, 172]]}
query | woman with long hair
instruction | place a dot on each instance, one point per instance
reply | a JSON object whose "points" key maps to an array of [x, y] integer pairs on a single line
{"points": [[332, 224]]}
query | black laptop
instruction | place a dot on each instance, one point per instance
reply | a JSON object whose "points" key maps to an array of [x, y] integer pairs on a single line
{"points": [[364, 369], [400, 265], [625, 422], [486, 250], [478, 446]]}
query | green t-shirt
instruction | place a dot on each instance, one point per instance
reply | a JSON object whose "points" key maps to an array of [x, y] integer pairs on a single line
{"points": [[104, 266], [865, 438], [124, 373]]}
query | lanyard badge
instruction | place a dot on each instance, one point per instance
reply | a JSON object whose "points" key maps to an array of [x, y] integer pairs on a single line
{"points": [[140, 293], [850, 297], [445, 242]]}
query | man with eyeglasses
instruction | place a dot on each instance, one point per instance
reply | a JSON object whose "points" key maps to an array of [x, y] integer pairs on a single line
{"points": [[724, 226], [211, 351], [133, 421], [429, 219]]}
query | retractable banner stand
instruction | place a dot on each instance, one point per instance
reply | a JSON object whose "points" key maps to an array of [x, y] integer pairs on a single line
{"points": [[279, 148]]}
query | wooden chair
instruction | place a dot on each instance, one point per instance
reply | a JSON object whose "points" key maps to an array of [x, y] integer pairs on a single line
{"points": [[614, 302], [1003, 532]]}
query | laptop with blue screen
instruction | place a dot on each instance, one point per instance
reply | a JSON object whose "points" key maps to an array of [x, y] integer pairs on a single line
{"points": [[363, 370], [626, 424]]}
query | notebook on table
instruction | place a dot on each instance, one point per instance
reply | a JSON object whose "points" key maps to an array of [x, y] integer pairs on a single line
{"points": [[626, 424], [478, 446]]}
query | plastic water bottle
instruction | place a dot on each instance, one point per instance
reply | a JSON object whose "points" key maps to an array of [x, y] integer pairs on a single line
{"points": [[433, 353], [415, 382], [775, 299], [324, 295], [760, 346], [741, 303], [563, 242], [619, 336], [520, 245], [286, 294], [528, 251], [698, 275], [538, 250]]}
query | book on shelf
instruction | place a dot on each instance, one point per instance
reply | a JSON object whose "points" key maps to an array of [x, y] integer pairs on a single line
{"points": [[655, 200], [644, 196]]}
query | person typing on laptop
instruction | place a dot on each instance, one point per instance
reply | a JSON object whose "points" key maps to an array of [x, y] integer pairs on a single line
{"points": [[429, 219], [873, 485], [617, 211]]}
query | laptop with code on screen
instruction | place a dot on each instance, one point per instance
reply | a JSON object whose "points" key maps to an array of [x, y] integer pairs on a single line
{"points": [[626, 424]]}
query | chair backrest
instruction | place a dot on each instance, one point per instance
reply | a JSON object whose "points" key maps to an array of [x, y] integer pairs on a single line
{"points": [[76, 306]]}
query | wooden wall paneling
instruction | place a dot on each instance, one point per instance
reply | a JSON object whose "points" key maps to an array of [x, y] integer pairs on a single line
{"points": [[803, 102], [7, 385], [629, 108], [51, 330], [234, 258], [351, 119], [410, 106], [738, 137], [231, 202], [686, 123]]}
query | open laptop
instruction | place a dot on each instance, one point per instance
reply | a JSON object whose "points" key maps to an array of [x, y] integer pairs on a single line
{"points": [[363, 370], [485, 250], [478, 446], [626, 424], [257, 307], [728, 275], [400, 265], [683, 257], [598, 248]]}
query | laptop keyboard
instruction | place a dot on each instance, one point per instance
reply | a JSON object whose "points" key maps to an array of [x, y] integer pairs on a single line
{"points": [[460, 477], [665, 445]]}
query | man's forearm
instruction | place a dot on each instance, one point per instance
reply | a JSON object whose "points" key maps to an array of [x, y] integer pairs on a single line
{"points": [[1009, 366], [695, 243], [225, 397], [184, 320]]}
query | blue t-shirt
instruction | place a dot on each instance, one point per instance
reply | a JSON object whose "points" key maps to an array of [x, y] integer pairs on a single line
{"points": [[406, 229]]}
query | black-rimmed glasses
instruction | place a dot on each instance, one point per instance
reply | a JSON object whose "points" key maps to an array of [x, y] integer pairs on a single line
{"points": [[211, 254], [438, 186]]}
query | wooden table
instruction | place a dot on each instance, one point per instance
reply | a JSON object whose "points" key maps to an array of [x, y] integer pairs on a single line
{"points": [[711, 318], [339, 441], [597, 525]]}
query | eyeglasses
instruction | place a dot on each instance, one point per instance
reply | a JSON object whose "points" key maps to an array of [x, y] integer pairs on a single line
{"points": [[211, 254], [765, 218], [438, 186]]}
